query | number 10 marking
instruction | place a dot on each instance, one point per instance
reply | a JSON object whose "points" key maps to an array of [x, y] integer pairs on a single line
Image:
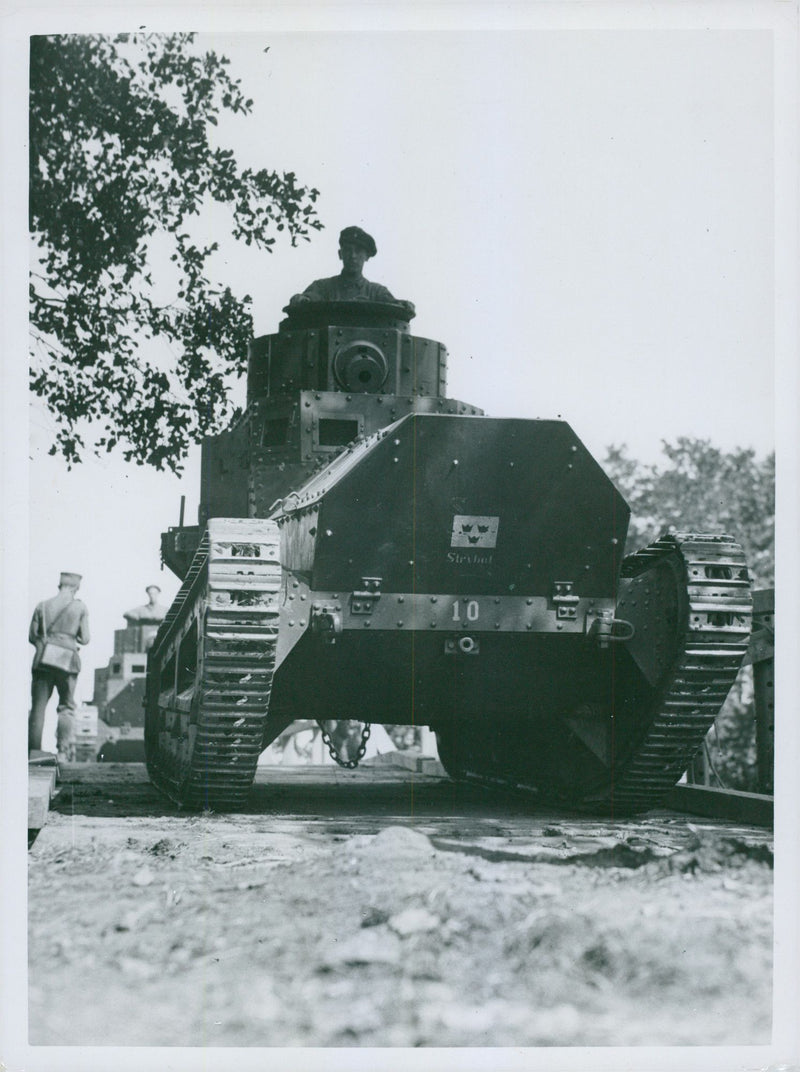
{"points": [[473, 611]]}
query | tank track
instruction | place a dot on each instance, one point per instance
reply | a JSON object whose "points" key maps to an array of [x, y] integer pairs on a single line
{"points": [[711, 645], [211, 667], [689, 598]]}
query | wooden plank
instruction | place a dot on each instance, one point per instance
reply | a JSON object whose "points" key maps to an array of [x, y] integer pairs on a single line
{"points": [[44, 776], [39, 792], [41, 759], [755, 808]]}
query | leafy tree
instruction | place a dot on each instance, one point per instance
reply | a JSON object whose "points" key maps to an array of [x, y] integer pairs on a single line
{"points": [[702, 488], [122, 169]]}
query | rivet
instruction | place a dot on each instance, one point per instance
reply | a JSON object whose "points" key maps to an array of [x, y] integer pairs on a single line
{"points": [[433, 625], [434, 599], [401, 599], [400, 624], [529, 602]]}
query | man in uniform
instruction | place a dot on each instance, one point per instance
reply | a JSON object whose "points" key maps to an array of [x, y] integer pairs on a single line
{"points": [[64, 621], [151, 613], [355, 249]]}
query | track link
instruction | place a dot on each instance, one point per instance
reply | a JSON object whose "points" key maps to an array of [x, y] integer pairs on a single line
{"points": [[712, 640], [211, 667]]}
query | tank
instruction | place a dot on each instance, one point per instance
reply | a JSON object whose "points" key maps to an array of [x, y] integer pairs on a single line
{"points": [[369, 549]]}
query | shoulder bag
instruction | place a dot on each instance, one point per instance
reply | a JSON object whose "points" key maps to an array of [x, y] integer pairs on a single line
{"points": [[56, 656]]}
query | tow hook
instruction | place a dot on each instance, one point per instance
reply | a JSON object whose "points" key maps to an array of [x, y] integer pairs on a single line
{"points": [[606, 629], [466, 645]]}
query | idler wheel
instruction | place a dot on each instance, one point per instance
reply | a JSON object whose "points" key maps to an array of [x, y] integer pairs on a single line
{"points": [[361, 366]]}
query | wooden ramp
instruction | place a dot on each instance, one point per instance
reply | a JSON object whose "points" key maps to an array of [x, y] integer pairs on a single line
{"points": [[42, 779], [754, 808]]}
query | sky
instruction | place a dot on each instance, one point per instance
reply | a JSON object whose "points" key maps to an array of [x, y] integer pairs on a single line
{"points": [[584, 218]]}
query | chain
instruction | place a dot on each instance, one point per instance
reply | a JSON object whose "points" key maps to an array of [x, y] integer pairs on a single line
{"points": [[362, 748]]}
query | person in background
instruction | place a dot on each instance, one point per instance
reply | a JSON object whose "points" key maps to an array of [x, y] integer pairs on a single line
{"points": [[150, 613], [57, 627]]}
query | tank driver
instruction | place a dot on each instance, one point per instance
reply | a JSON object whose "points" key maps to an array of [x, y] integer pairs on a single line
{"points": [[57, 627], [355, 249]]}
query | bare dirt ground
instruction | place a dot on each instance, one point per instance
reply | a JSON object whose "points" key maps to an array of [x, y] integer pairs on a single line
{"points": [[385, 908]]}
